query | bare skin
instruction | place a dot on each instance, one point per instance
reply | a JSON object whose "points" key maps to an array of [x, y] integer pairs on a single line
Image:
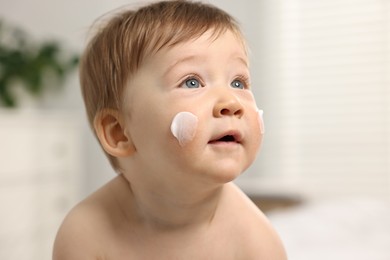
{"points": [[112, 231], [174, 202]]}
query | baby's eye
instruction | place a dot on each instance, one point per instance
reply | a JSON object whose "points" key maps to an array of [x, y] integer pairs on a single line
{"points": [[191, 83], [238, 84]]}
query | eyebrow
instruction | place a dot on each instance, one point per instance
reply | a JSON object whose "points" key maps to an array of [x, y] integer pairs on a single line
{"points": [[244, 61], [197, 57], [181, 60]]}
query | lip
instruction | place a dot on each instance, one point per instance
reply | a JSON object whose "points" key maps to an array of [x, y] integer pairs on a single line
{"points": [[228, 137]]}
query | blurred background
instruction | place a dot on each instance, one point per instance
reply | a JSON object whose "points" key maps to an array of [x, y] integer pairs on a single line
{"points": [[320, 71]]}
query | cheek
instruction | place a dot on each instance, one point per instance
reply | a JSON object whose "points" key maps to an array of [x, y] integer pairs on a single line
{"points": [[147, 129], [256, 132]]}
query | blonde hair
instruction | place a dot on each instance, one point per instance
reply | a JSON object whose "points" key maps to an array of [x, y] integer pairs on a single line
{"points": [[121, 45]]}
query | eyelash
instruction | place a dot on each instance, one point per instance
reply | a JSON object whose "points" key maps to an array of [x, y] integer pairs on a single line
{"points": [[192, 76], [244, 79]]}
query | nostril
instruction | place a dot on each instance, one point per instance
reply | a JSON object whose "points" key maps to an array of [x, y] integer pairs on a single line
{"points": [[225, 111], [229, 112], [228, 108], [238, 112]]}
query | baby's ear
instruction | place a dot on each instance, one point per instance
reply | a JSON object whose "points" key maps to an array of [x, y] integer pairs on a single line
{"points": [[110, 130]]}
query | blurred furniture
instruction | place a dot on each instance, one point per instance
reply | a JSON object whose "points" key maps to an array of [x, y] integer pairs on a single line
{"points": [[353, 228], [39, 180]]}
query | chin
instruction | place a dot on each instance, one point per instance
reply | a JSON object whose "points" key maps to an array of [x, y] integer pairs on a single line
{"points": [[226, 174]]}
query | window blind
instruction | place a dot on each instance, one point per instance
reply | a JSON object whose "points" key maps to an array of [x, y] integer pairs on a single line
{"points": [[327, 101]]}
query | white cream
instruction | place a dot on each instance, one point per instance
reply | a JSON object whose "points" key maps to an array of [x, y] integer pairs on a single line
{"points": [[260, 113], [184, 126]]}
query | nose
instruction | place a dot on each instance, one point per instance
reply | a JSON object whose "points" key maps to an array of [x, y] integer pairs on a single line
{"points": [[228, 105]]}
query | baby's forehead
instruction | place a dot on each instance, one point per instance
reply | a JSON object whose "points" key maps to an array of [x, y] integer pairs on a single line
{"points": [[190, 49]]}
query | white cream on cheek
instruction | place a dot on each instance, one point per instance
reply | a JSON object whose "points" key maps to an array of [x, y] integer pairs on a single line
{"points": [[260, 113], [184, 126]]}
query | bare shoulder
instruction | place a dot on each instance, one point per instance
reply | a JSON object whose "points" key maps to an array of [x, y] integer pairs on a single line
{"points": [[75, 238], [86, 228], [254, 231]]}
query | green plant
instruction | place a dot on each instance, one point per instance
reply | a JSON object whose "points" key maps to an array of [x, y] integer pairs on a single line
{"points": [[30, 63]]}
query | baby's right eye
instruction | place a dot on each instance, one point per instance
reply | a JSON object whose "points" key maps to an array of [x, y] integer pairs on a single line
{"points": [[191, 82]]}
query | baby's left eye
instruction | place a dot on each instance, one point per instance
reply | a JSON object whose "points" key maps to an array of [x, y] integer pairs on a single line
{"points": [[238, 84]]}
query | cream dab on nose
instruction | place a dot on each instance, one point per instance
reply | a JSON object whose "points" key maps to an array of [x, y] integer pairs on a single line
{"points": [[184, 126]]}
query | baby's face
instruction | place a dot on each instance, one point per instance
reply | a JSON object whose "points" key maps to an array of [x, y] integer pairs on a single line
{"points": [[209, 78]]}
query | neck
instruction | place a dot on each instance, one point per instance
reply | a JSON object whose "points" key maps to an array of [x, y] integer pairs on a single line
{"points": [[168, 208]]}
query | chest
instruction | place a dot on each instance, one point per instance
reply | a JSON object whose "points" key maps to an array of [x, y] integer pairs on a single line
{"points": [[208, 247]]}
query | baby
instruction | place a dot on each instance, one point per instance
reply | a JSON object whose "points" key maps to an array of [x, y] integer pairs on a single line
{"points": [[167, 92]]}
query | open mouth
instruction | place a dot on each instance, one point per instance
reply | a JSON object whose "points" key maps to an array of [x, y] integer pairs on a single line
{"points": [[228, 138]]}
